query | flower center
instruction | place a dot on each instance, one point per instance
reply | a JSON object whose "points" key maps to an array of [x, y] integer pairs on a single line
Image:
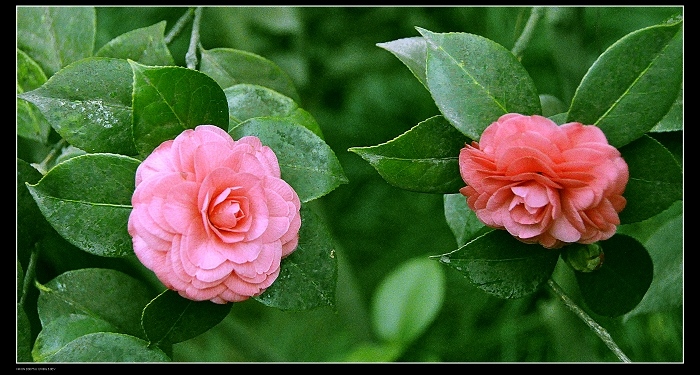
{"points": [[226, 212], [528, 202]]}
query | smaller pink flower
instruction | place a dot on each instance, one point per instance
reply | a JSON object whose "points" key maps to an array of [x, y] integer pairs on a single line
{"points": [[545, 183], [212, 217]]}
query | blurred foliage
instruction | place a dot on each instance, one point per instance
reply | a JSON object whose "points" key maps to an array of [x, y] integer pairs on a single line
{"points": [[362, 95]]}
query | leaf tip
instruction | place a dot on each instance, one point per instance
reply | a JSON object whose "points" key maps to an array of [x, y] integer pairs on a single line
{"points": [[358, 150], [421, 30]]}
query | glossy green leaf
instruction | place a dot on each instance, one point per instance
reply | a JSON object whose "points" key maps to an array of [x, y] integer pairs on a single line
{"points": [[64, 329], [307, 163], [461, 219], [423, 159], [169, 100], [87, 199], [673, 120], [109, 347], [623, 279], [229, 66], [145, 45], [656, 179], [170, 318], [24, 336], [306, 119], [474, 81], [89, 104], [307, 276], [412, 52], [56, 36], [31, 124], [246, 101], [67, 152], [633, 84], [662, 236], [105, 294], [501, 265], [407, 300]]}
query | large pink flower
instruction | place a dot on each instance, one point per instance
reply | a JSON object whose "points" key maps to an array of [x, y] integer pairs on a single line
{"points": [[545, 183], [212, 217]]}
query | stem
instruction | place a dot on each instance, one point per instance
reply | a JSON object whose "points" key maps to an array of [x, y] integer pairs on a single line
{"points": [[29, 275], [191, 56], [522, 42], [597, 328], [179, 25], [41, 167]]}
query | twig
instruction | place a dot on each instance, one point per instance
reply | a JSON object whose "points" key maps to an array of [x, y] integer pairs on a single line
{"points": [[42, 167], [179, 25], [522, 42], [191, 56], [597, 328], [29, 275]]}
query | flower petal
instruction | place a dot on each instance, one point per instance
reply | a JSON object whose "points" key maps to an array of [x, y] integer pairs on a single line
{"points": [[544, 183]]}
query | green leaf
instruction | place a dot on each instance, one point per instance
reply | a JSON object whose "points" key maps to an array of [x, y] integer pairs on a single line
{"points": [[229, 67], [307, 163], [87, 200], [474, 81], [305, 119], [56, 36], [423, 159], [31, 124], [20, 280], [89, 104], [246, 101], [633, 84], [67, 152], [552, 106], [29, 73], [307, 276], [371, 352], [169, 100], [24, 336], [64, 329], [407, 300], [170, 318], [145, 45], [673, 120], [104, 294], [412, 52], [461, 219], [623, 279], [662, 236], [109, 347], [656, 179], [559, 119], [501, 265]]}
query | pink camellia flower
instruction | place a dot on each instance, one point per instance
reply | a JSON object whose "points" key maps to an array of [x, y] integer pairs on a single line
{"points": [[545, 183], [212, 217]]}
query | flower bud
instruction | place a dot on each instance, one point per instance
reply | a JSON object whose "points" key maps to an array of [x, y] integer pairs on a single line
{"points": [[584, 258]]}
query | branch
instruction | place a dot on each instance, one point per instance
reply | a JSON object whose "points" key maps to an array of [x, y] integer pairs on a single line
{"points": [[191, 56], [179, 25], [597, 328], [522, 42]]}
